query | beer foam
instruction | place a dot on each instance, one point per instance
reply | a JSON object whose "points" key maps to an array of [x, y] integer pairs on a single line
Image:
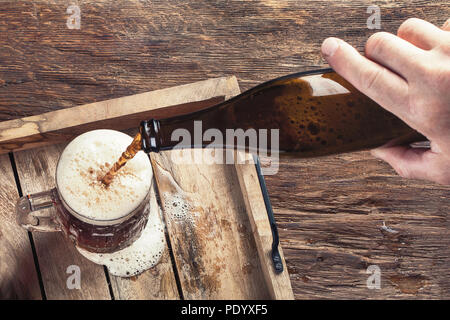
{"points": [[176, 207], [143, 254], [89, 157]]}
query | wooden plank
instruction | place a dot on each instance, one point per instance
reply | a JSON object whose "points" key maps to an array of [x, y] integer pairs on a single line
{"points": [[36, 169], [119, 114], [330, 212], [279, 285], [18, 277], [209, 228]]}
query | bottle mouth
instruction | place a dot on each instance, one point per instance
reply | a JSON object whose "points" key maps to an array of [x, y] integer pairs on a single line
{"points": [[150, 135]]}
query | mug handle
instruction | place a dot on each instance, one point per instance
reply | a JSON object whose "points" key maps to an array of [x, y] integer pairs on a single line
{"points": [[28, 207]]}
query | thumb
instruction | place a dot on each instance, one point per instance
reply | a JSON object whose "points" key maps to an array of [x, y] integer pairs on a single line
{"points": [[415, 163]]}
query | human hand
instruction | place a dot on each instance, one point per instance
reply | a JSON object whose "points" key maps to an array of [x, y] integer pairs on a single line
{"points": [[409, 75]]}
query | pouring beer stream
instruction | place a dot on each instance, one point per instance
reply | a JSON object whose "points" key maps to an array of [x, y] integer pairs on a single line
{"points": [[128, 154]]}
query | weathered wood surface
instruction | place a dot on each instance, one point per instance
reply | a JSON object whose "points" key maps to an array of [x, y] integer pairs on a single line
{"points": [[18, 277], [127, 47], [119, 114], [210, 228], [330, 213]]}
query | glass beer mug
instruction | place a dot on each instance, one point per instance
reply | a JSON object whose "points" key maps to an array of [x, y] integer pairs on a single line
{"points": [[97, 218]]}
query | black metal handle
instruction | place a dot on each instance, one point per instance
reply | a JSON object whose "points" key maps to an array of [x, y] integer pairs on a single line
{"points": [[276, 257]]}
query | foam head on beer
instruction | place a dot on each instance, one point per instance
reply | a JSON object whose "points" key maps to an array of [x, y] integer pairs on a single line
{"points": [[86, 159]]}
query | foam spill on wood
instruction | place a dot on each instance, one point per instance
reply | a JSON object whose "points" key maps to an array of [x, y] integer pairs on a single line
{"points": [[143, 254]]}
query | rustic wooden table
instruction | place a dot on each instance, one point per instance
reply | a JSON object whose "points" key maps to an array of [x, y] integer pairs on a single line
{"points": [[330, 211]]}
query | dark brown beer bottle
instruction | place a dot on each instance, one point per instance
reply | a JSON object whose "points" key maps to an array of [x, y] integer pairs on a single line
{"points": [[317, 113]]}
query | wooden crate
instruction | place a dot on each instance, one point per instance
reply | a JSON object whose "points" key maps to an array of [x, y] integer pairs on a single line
{"points": [[220, 250]]}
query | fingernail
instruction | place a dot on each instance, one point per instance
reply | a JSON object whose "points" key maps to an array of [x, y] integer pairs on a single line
{"points": [[329, 46]]}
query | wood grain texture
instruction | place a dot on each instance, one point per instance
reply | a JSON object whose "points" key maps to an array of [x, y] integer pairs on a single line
{"points": [[18, 277], [119, 114], [126, 47], [36, 169], [331, 211], [211, 235]]}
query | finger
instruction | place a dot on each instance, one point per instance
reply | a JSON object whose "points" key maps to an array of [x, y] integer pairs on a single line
{"points": [[446, 25], [394, 53], [378, 83], [415, 163], [420, 33]]}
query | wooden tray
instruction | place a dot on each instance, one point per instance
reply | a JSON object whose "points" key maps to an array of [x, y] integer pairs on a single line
{"points": [[219, 250]]}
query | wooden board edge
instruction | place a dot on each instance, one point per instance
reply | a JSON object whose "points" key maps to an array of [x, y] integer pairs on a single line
{"points": [[57, 126], [279, 285]]}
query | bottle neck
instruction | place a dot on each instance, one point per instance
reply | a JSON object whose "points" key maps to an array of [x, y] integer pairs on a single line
{"points": [[150, 135], [183, 131]]}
